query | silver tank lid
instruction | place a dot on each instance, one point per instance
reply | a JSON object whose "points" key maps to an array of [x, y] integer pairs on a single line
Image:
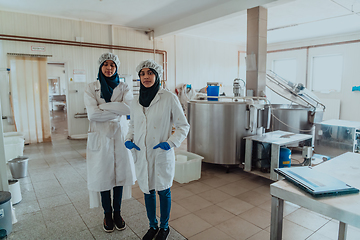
{"points": [[296, 93]]}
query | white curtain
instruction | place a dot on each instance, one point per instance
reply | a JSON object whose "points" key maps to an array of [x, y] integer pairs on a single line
{"points": [[29, 98]]}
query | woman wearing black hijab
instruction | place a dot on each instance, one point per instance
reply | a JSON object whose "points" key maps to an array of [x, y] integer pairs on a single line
{"points": [[109, 163], [152, 143]]}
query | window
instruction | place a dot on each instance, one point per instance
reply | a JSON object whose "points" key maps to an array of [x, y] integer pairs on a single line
{"points": [[326, 73], [285, 68]]}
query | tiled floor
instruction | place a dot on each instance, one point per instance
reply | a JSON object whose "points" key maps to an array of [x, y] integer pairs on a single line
{"points": [[59, 128], [219, 206]]}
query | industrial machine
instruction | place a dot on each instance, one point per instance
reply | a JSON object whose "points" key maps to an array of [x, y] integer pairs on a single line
{"points": [[261, 156], [299, 116], [307, 154], [239, 87], [335, 137], [218, 127], [294, 118]]}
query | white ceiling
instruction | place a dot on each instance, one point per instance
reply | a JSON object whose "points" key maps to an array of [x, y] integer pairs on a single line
{"points": [[218, 20]]}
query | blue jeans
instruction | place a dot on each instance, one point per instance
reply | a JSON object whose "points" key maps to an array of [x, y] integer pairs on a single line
{"points": [[165, 206], [106, 199]]}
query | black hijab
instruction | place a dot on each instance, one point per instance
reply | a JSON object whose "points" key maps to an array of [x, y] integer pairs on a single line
{"points": [[107, 84], [148, 94]]}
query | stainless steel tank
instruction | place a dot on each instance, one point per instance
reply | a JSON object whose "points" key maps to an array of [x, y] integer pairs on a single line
{"points": [[217, 130], [294, 118]]}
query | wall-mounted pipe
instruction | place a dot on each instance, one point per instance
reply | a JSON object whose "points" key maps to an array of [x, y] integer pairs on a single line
{"points": [[28, 55], [307, 68], [307, 52], [238, 66], [314, 46], [86, 44], [238, 70]]}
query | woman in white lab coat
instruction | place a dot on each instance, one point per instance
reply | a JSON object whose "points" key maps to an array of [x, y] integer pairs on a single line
{"points": [[109, 164], [152, 143]]}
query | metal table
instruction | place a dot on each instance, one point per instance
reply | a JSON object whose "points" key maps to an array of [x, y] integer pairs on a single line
{"points": [[276, 139], [344, 208]]}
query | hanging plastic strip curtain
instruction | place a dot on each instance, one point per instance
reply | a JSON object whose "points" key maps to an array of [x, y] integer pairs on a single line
{"points": [[29, 97]]}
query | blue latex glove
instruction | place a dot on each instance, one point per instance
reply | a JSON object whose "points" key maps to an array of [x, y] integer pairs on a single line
{"points": [[130, 145], [163, 145]]}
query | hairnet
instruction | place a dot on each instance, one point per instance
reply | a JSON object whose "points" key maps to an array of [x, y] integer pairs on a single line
{"points": [[109, 56], [150, 64]]}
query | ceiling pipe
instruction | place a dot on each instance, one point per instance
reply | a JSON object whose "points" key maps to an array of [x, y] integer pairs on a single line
{"points": [[86, 44]]}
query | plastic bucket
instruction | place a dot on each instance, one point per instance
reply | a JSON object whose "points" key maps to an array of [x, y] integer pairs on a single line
{"points": [[285, 157], [213, 91], [15, 190], [18, 167], [5, 212]]}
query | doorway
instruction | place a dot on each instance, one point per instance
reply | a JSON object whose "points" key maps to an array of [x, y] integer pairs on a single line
{"points": [[57, 100]]}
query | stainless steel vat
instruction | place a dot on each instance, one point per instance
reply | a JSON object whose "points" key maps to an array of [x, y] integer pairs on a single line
{"points": [[294, 118], [217, 130]]}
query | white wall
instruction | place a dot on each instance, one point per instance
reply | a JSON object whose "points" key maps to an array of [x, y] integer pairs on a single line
{"points": [[349, 101], [300, 57], [75, 58], [197, 61], [4, 95], [190, 60]]}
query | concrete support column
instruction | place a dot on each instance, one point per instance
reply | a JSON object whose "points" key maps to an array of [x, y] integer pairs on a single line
{"points": [[256, 50]]}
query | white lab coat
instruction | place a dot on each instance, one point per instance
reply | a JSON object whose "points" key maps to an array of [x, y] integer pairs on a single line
{"points": [[155, 168], [109, 163]]}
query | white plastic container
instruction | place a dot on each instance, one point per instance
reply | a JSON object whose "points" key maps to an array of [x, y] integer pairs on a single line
{"points": [[14, 134], [14, 147], [181, 158], [187, 166], [14, 189]]}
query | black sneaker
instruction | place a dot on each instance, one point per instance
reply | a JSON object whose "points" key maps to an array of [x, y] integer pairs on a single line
{"points": [[163, 234], [108, 223], [151, 233], [119, 221]]}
